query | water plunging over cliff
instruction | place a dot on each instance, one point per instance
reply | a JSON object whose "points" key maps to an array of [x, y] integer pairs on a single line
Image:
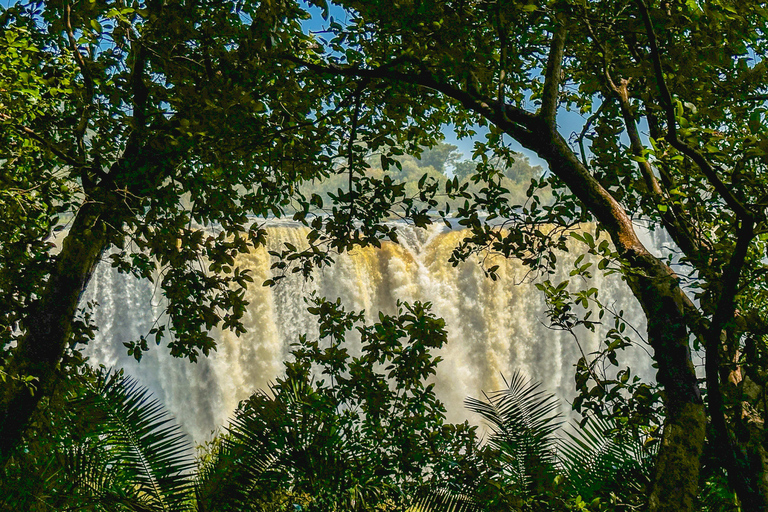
{"points": [[494, 327]]}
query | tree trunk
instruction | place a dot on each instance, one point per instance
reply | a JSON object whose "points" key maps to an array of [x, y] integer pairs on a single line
{"points": [[49, 325], [656, 287], [676, 480], [745, 389]]}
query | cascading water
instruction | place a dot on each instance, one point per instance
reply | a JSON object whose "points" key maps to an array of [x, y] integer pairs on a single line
{"points": [[494, 327]]}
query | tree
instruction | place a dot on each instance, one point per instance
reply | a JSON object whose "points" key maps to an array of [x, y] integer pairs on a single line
{"points": [[408, 170], [520, 170], [441, 157], [131, 125], [128, 129], [690, 72]]}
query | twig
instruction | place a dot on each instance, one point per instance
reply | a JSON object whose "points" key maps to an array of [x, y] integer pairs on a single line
{"points": [[351, 152], [585, 129]]}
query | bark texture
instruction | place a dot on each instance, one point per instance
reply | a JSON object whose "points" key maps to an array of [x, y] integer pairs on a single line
{"points": [[49, 325], [676, 482], [656, 287]]}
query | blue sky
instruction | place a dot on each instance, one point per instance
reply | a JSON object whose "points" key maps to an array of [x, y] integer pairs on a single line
{"points": [[568, 121]]}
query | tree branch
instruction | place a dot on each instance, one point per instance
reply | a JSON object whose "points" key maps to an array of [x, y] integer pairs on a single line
{"points": [[351, 150], [69, 160], [552, 76], [756, 97], [724, 313], [666, 99], [82, 125], [140, 98], [672, 216], [533, 133], [585, 129], [516, 121]]}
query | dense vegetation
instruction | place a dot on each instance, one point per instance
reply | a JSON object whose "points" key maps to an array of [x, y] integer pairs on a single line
{"points": [[134, 124], [366, 433]]}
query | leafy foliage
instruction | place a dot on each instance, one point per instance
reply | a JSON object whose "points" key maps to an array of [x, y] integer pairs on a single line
{"points": [[600, 462], [343, 432], [106, 445], [528, 462], [136, 124], [522, 420]]}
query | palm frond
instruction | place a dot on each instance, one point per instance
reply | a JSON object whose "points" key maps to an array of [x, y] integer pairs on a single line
{"points": [[444, 500], [145, 452], [93, 484], [716, 496], [522, 419], [594, 461], [250, 463], [100, 444], [225, 477]]}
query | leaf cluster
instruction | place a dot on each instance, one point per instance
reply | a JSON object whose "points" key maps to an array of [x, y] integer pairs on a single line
{"points": [[345, 432]]}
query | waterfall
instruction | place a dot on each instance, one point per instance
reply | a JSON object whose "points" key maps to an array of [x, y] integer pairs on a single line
{"points": [[494, 327]]}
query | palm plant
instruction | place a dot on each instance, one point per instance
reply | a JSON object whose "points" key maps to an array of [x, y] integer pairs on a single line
{"points": [[281, 446], [522, 419], [597, 464], [527, 463], [296, 448], [340, 432], [104, 445]]}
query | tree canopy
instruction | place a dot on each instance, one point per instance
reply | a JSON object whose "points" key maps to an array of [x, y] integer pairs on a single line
{"points": [[674, 98], [133, 125], [130, 126]]}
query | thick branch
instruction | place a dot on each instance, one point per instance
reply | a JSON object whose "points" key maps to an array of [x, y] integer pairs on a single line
{"points": [[672, 215], [140, 99], [526, 128], [518, 122], [746, 487], [139, 88], [552, 77]]}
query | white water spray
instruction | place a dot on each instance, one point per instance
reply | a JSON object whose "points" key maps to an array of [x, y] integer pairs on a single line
{"points": [[495, 327]]}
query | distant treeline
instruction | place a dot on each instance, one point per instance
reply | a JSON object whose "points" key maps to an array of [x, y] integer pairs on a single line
{"points": [[441, 162]]}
